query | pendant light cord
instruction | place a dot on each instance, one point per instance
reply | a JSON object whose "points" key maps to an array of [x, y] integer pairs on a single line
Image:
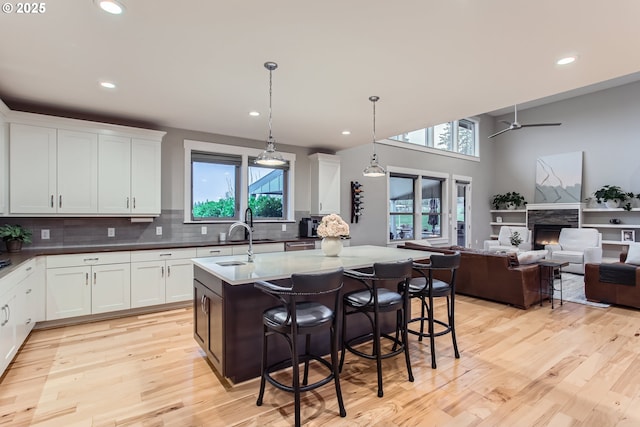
{"points": [[270, 95]]}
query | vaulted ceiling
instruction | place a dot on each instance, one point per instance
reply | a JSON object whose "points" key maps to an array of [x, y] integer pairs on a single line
{"points": [[199, 64]]}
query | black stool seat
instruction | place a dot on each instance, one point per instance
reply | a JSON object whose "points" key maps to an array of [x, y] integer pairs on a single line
{"points": [[373, 300], [302, 311]]}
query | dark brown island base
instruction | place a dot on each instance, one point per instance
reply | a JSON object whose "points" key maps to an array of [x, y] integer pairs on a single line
{"points": [[228, 309]]}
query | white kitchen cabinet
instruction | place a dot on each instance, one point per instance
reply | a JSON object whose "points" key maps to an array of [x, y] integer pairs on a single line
{"points": [[91, 283], [163, 276], [52, 171], [114, 174], [207, 251], [325, 184], [129, 176], [32, 169], [8, 336], [145, 177], [4, 163]]}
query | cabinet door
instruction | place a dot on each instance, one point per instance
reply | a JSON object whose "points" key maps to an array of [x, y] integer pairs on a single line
{"points": [[111, 288], [68, 292], [114, 174], [32, 171], [27, 307], [215, 329], [145, 176], [147, 283], [4, 164], [179, 280], [8, 338], [77, 172], [329, 187], [200, 315]]}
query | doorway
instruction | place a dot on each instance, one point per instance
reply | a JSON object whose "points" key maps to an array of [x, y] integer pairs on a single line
{"points": [[461, 224]]}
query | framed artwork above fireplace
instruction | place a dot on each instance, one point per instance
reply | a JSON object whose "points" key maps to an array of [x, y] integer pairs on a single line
{"points": [[559, 178]]}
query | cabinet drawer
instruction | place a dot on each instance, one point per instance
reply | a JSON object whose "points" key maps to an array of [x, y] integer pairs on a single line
{"points": [[163, 255], [260, 248], [213, 251], [56, 261]]}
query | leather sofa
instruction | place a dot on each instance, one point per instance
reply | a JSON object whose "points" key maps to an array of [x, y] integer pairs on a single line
{"points": [[601, 289], [489, 276]]}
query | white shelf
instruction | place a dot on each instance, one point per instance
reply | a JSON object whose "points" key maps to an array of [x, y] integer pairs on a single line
{"points": [[609, 210], [615, 242], [509, 210], [511, 224], [621, 226]]}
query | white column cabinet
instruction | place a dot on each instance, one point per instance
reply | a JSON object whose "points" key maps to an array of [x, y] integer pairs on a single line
{"points": [[325, 184], [32, 169], [159, 277], [77, 166]]}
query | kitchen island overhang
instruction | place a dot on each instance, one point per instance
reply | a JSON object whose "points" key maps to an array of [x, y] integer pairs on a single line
{"points": [[228, 309]]}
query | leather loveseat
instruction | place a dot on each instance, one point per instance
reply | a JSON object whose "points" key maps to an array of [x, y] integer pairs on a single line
{"points": [[488, 276], [603, 286]]}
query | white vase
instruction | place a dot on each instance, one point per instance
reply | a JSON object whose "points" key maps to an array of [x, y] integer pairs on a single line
{"points": [[331, 246], [612, 204]]}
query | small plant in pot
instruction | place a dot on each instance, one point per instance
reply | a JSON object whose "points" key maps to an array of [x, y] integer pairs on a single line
{"points": [[14, 236], [613, 196], [515, 238], [511, 200]]}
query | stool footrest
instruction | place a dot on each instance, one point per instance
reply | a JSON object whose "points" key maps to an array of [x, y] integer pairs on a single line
{"points": [[287, 363]]}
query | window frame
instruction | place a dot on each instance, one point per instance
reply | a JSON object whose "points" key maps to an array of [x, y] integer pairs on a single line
{"points": [[242, 190], [445, 210]]}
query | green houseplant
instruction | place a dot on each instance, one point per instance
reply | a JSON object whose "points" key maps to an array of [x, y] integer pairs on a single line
{"points": [[613, 196], [510, 200], [14, 236], [515, 238]]}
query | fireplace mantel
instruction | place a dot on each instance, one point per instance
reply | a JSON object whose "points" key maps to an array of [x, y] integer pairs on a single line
{"points": [[554, 206]]}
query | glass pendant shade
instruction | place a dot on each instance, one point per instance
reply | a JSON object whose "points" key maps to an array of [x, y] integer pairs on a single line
{"points": [[270, 157], [374, 170]]}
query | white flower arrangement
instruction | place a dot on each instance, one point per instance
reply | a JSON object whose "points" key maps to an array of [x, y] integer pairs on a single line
{"points": [[333, 226]]}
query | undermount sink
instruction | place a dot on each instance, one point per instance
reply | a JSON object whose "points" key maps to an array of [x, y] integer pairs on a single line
{"points": [[230, 263]]}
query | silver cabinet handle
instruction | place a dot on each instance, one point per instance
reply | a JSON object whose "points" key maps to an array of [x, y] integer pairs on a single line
{"points": [[90, 259], [52, 200], [168, 270], [127, 203], [28, 321], [60, 201], [86, 279], [134, 203], [166, 254], [162, 271], [214, 252], [6, 319], [28, 291], [29, 268], [95, 277]]}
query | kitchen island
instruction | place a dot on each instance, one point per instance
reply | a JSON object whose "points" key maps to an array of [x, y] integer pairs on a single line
{"points": [[228, 309]]}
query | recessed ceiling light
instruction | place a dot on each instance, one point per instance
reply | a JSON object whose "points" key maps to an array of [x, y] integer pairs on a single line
{"points": [[112, 6], [566, 60], [346, 132], [254, 113], [108, 85]]}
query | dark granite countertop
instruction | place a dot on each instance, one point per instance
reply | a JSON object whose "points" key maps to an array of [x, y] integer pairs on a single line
{"points": [[27, 254]]}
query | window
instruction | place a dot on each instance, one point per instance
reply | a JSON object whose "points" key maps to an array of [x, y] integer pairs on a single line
{"points": [[407, 191], [267, 190], [222, 181], [214, 181], [459, 136]]}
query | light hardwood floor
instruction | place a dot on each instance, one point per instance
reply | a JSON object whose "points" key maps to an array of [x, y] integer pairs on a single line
{"points": [[573, 366]]}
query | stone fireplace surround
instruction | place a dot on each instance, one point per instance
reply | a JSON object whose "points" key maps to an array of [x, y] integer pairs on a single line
{"points": [[547, 219]]}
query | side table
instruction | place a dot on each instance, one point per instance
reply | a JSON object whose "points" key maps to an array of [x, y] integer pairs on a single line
{"points": [[549, 269]]}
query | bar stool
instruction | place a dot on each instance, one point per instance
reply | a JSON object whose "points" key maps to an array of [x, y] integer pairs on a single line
{"points": [[426, 288], [300, 314], [372, 301]]}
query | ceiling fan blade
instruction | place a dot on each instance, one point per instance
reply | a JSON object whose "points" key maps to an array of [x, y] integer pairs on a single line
{"points": [[498, 133], [540, 124]]}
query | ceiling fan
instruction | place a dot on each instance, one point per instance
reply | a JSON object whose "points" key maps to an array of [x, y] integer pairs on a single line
{"points": [[515, 125]]}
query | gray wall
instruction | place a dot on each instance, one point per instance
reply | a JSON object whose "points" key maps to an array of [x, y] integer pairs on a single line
{"points": [[371, 228]]}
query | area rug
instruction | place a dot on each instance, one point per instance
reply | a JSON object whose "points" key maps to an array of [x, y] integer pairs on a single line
{"points": [[573, 290]]}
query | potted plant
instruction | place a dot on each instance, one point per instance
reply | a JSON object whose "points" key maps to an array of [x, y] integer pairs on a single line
{"points": [[510, 200], [612, 196], [14, 236], [515, 239]]}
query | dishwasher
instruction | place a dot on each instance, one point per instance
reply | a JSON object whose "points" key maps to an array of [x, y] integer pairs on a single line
{"points": [[303, 245]]}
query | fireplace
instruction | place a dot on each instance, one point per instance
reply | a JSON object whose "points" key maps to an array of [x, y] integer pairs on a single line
{"points": [[546, 234]]}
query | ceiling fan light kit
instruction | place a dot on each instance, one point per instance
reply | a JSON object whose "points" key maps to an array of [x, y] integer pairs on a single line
{"points": [[515, 125]]}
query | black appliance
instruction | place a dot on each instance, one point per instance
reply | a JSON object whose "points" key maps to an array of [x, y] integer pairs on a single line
{"points": [[308, 227]]}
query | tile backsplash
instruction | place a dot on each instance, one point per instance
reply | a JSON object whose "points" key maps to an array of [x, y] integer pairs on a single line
{"points": [[73, 232]]}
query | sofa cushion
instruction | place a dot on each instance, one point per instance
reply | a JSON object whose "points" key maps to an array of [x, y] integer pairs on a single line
{"points": [[577, 239], [572, 257], [530, 257], [633, 255]]}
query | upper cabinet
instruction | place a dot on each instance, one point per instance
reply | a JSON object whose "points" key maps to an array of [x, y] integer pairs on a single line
{"points": [[4, 163], [325, 184], [82, 169]]}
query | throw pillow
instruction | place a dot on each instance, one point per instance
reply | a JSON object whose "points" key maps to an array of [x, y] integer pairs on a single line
{"points": [[633, 255], [531, 257]]}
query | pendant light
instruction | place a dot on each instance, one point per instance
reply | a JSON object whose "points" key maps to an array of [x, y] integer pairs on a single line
{"points": [[270, 157], [374, 169]]}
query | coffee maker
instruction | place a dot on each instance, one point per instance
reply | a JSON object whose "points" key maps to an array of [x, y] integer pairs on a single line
{"points": [[308, 227]]}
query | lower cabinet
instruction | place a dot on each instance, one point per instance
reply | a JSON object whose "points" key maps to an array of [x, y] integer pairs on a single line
{"points": [[8, 328], [208, 318], [83, 284], [160, 277]]}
